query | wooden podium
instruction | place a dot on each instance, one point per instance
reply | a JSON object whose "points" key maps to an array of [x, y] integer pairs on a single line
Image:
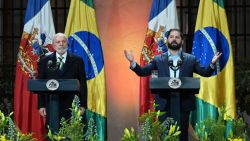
{"points": [[161, 86]]}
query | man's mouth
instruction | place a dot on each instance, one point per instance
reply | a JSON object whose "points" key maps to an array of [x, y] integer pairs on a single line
{"points": [[174, 44]]}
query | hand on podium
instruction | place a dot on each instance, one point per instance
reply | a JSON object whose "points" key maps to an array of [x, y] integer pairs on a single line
{"points": [[82, 110]]}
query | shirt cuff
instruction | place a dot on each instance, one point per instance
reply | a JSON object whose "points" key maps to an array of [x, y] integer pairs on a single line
{"points": [[133, 65], [212, 66]]}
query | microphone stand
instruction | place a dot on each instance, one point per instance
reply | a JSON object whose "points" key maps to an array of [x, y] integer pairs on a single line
{"points": [[175, 68], [175, 98]]}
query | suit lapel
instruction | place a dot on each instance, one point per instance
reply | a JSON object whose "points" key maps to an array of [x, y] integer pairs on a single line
{"points": [[53, 57], [183, 58], [165, 59]]}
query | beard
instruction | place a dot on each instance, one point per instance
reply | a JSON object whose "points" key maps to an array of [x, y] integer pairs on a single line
{"points": [[61, 49], [174, 45]]}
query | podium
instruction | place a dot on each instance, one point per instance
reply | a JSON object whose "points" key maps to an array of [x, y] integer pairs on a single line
{"points": [[189, 85], [52, 88], [43, 86]]}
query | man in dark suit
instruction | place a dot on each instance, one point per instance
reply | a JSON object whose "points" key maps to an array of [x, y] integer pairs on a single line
{"points": [[61, 65], [189, 66]]}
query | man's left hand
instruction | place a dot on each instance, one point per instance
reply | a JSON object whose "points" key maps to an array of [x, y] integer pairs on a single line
{"points": [[82, 109], [216, 57]]}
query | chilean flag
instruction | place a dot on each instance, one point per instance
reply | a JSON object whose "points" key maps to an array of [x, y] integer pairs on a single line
{"points": [[36, 42], [163, 16]]}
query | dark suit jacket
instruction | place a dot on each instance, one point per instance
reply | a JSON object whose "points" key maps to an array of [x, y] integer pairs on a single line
{"points": [[73, 69], [189, 65]]}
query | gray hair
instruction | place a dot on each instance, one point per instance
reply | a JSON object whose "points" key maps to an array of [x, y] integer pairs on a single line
{"points": [[59, 34]]}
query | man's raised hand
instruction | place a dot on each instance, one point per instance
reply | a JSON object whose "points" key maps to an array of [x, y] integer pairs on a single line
{"points": [[129, 55], [216, 57]]}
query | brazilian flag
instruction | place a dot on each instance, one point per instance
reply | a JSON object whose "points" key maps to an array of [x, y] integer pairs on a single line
{"points": [[84, 40], [211, 36]]}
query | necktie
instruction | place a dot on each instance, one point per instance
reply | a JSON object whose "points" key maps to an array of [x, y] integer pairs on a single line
{"points": [[61, 63]]}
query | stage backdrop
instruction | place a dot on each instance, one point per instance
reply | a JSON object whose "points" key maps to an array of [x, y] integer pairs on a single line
{"points": [[122, 25]]}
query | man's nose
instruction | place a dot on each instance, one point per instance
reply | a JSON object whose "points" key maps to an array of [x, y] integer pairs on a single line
{"points": [[61, 43]]}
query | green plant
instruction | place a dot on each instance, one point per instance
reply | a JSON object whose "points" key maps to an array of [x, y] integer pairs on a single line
{"points": [[8, 130], [173, 133], [130, 135], [150, 126], [211, 130], [4, 122], [71, 129], [239, 131], [151, 129], [239, 127], [214, 129], [91, 134]]}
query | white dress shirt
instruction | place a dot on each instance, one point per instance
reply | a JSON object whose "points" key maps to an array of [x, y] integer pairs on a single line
{"points": [[175, 59], [63, 57]]}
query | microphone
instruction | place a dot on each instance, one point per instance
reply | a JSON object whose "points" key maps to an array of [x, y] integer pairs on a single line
{"points": [[179, 63], [170, 62], [57, 63], [52, 66], [174, 68], [49, 64]]}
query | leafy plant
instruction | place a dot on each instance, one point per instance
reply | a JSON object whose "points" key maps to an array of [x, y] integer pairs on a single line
{"points": [[214, 129], [151, 129], [91, 134], [4, 122], [130, 135], [9, 132], [173, 133], [71, 129], [211, 130], [239, 128]]}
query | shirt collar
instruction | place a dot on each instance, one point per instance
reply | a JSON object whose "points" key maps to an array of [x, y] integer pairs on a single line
{"points": [[177, 54], [64, 56]]}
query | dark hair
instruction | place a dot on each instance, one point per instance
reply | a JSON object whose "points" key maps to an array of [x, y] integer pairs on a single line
{"points": [[175, 29]]}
